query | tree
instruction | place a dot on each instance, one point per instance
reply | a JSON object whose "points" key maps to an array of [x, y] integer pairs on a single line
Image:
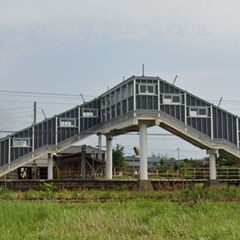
{"points": [[118, 158], [222, 161], [156, 155], [162, 168]]}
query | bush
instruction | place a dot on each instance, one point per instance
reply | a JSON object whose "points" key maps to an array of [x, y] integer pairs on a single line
{"points": [[48, 187], [2, 190]]}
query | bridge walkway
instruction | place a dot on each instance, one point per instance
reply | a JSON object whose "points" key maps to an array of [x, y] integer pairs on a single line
{"points": [[120, 110]]}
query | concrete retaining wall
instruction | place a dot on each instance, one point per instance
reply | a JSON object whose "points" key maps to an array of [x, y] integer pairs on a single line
{"points": [[165, 184]]}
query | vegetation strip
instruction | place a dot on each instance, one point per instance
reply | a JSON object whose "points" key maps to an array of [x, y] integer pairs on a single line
{"points": [[135, 219]]}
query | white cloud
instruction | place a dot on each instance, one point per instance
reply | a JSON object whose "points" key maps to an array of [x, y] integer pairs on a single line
{"points": [[60, 21]]}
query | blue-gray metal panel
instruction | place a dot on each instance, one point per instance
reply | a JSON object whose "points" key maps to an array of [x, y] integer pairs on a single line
{"points": [[176, 111], [194, 101], [144, 102], [113, 112], [166, 87], [239, 131], [124, 106], [94, 104], [65, 133], [72, 113], [108, 113], [26, 133], [38, 136], [224, 125], [19, 152], [130, 103], [119, 109], [202, 125], [4, 152]]}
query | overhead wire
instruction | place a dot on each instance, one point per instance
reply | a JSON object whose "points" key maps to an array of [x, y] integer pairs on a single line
{"points": [[45, 94], [66, 97]]}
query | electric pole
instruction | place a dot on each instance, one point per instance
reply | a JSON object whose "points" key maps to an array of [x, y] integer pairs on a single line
{"points": [[35, 113]]}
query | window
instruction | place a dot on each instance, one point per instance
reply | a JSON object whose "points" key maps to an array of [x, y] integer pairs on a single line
{"points": [[171, 99], [176, 99], [108, 101], [112, 99], [21, 143], [124, 93], [193, 112], [118, 98], [147, 89], [103, 103], [202, 111], [89, 113], [130, 90], [167, 99], [67, 123], [198, 112]]}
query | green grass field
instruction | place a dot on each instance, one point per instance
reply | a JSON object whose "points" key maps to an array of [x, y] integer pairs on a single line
{"points": [[198, 213], [130, 219]]}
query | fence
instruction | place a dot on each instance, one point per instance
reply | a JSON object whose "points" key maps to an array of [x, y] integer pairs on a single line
{"points": [[186, 173], [183, 173]]}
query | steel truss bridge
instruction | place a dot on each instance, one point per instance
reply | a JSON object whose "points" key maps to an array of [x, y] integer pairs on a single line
{"points": [[120, 110]]}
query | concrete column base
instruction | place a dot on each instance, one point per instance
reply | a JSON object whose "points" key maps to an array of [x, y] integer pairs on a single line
{"points": [[144, 185], [213, 184]]}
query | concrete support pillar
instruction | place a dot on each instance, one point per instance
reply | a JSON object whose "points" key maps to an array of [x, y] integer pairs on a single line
{"points": [[143, 152], [108, 156], [212, 166], [34, 170], [100, 147], [212, 163], [50, 166], [213, 182], [83, 166]]}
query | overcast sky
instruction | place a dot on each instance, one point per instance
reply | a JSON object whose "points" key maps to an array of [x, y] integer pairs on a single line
{"points": [[73, 47]]}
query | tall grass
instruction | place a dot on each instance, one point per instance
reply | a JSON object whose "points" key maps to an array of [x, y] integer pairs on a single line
{"points": [[194, 194], [198, 213], [136, 219]]}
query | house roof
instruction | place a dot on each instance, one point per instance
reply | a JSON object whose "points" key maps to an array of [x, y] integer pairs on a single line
{"points": [[78, 149]]}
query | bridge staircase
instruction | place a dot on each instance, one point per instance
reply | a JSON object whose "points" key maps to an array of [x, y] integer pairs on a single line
{"points": [[118, 111]]}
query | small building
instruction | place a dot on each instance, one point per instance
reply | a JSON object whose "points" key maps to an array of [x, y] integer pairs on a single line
{"points": [[75, 162]]}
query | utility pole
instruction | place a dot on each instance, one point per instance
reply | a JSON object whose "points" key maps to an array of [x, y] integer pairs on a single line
{"points": [[35, 113], [44, 114], [175, 79], [83, 164], [178, 153]]}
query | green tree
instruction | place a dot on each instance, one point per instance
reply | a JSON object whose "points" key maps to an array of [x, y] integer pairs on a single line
{"points": [[118, 157], [162, 168], [192, 163], [156, 155], [222, 161]]}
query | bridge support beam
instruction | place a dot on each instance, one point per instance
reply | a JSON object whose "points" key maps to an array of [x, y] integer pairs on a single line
{"points": [[212, 163], [109, 156], [213, 182], [143, 184], [50, 166], [143, 152]]}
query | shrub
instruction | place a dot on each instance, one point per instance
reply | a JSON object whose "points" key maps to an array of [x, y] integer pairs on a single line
{"points": [[48, 187]]}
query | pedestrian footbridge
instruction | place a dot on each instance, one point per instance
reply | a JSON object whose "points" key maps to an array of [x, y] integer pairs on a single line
{"points": [[133, 105]]}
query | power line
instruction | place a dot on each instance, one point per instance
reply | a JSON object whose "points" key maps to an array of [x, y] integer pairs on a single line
{"points": [[19, 108], [17, 101], [45, 94]]}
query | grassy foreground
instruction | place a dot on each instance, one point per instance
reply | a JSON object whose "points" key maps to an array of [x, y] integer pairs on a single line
{"points": [[133, 219], [197, 213]]}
